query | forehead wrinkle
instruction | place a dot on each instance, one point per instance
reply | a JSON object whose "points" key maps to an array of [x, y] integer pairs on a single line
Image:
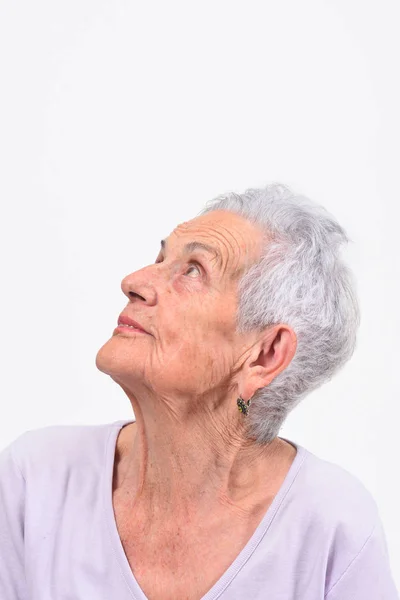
{"points": [[224, 240], [229, 237]]}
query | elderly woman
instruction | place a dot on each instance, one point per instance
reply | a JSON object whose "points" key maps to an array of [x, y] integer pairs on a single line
{"points": [[247, 308]]}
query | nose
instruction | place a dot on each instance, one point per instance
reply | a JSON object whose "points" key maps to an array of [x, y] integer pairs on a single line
{"points": [[137, 288]]}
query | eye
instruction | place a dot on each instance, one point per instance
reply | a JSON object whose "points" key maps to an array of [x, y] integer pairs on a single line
{"points": [[194, 265]]}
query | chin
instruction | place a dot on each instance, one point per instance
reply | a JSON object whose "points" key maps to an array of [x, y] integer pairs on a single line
{"points": [[115, 360], [108, 359], [103, 361]]}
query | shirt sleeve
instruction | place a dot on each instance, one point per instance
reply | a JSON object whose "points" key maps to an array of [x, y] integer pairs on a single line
{"points": [[12, 500], [368, 576]]}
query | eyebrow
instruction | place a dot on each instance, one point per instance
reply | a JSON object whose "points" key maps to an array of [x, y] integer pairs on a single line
{"points": [[195, 245]]}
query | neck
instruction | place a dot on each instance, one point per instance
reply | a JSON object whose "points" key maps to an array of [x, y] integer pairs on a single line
{"points": [[191, 464]]}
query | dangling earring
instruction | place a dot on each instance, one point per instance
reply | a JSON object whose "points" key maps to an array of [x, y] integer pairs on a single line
{"points": [[243, 406]]}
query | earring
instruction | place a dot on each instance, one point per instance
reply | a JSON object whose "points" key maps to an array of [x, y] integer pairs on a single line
{"points": [[243, 406]]}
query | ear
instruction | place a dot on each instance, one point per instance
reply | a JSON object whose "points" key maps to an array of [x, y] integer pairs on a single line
{"points": [[272, 353]]}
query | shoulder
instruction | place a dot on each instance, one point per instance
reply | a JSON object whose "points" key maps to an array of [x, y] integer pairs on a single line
{"points": [[339, 499], [52, 447], [340, 511]]}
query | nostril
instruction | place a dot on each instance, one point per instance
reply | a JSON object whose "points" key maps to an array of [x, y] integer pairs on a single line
{"points": [[135, 295]]}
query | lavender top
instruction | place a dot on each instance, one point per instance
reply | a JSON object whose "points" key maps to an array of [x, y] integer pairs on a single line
{"points": [[321, 538]]}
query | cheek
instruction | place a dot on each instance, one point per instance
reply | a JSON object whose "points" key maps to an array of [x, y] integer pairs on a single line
{"points": [[197, 333], [191, 356]]}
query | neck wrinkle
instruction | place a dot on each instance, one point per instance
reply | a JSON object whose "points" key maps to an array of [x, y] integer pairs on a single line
{"points": [[184, 473]]}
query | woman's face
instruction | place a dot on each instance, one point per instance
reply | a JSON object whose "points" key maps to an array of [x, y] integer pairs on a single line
{"points": [[187, 301]]}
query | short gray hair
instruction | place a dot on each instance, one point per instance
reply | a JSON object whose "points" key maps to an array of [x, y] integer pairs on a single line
{"points": [[300, 280]]}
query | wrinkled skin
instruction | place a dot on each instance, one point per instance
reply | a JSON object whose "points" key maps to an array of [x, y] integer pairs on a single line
{"points": [[189, 311], [189, 487], [183, 378]]}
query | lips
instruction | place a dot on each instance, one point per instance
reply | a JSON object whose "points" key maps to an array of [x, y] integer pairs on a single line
{"points": [[124, 320]]}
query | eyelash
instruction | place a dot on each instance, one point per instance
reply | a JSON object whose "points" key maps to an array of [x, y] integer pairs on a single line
{"points": [[194, 262]]}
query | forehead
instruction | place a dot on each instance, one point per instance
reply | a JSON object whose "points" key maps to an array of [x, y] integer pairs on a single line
{"points": [[233, 235], [220, 225]]}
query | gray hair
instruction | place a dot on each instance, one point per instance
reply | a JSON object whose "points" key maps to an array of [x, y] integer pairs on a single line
{"points": [[300, 280]]}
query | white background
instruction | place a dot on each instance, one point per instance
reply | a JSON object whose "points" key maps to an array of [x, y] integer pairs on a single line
{"points": [[120, 119]]}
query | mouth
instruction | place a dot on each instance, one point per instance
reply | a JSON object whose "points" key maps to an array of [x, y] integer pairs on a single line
{"points": [[126, 324], [128, 329]]}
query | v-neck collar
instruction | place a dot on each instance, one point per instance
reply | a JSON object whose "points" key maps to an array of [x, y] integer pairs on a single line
{"points": [[228, 576]]}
